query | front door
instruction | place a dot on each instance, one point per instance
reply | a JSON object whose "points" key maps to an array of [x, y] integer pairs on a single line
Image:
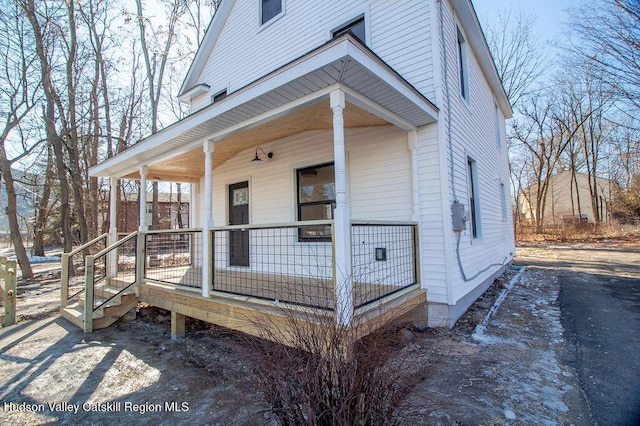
{"points": [[239, 215]]}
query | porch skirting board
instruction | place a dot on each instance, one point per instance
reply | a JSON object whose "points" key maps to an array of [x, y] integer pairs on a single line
{"points": [[443, 315]]}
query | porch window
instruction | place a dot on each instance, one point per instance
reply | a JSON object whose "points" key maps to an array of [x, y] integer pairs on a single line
{"points": [[356, 28], [269, 9], [316, 199]]}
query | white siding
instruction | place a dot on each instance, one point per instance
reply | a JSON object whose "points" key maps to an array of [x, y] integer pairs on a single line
{"points": [[379, 175], [473, 134], [397, 32], [432, 235], [379, 189]]}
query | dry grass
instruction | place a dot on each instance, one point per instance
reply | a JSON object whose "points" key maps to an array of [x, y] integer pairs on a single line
{"points": [[624, 234]]}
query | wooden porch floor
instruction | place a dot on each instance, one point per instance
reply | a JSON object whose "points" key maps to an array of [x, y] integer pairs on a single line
{"points": [[303, 291]]}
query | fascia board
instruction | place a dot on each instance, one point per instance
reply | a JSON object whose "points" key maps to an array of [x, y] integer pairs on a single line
{"points": [[208, 42]]}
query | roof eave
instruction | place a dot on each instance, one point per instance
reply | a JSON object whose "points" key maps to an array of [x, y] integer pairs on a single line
{"points": [[175, 138]]}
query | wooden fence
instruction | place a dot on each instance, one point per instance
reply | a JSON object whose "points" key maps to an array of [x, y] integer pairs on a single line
{"points": [[8, 289]]}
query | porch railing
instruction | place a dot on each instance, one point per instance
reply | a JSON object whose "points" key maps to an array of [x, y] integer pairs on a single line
{"points": [[384, 259], [74, 266], [174, 256], [115, 269], [292, 262]]}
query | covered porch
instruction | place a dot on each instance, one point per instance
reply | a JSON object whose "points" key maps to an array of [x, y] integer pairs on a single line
{"points": [[305, 242]]}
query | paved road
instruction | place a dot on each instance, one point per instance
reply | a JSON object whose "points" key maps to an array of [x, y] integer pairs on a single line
{"points": [[600, 312]]}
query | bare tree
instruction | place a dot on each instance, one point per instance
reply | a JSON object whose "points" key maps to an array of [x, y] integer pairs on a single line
{"points": [[516, 52], [607, 34], [44, 46], [543, 132], [18, 98]]}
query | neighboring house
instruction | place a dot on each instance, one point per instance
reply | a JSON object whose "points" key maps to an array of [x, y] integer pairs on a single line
{"points": [[129, 213], [377, 128], [568, 200]]}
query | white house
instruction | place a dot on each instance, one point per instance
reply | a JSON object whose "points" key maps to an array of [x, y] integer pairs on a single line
{"points": [[378, 127]]}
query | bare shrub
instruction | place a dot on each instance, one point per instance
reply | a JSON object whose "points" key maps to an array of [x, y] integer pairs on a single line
{"points": [[323, 380]]}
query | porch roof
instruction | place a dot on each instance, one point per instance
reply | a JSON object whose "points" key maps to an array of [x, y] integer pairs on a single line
{"points": [[376, 94]]}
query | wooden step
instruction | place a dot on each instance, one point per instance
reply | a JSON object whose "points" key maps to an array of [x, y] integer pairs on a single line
{"points": [[75, 314], [104, 316]]}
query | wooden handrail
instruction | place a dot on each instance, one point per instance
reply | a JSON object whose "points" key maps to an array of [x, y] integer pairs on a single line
{"points": [[173, 231], [115, 245], [86, 245], [274, 225]]}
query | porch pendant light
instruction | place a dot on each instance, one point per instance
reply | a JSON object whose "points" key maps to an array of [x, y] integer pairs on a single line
{"points": [[257, 158]]}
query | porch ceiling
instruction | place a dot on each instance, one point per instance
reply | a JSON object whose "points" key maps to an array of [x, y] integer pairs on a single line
{"points": [[189, 166], [287, 101]]}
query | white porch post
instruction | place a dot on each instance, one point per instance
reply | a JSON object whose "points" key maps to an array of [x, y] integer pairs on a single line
{"points": [[342, 215], [113, 226], [207, 220], [142, 228], [415, 193], [143, 199]]}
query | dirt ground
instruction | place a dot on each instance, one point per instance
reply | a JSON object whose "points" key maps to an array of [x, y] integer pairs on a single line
{"points": [[497, 366]]}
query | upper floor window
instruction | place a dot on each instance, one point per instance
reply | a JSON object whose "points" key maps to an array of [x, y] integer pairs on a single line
{"points": [[218, 96], [498, 127], [269, 9], [474, 204], [503, 201], [463, 66], [356, 28]]}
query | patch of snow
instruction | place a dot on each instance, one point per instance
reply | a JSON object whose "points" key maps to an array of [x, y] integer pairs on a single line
{"points": [[478, 333], [510, 415], [43, 259]]}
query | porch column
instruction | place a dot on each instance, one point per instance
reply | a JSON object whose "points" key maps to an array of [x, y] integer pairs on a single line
{"points": [[415, 193], [142, 228], [207, 220], [342, 215], [113, 225], [143, 199]]}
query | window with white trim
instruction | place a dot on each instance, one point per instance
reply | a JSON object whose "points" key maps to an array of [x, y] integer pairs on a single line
{"points": [[503, 201], [463, 65], [356, 28], [269, 9], [316, 199], [498, 130], [219, 96], [474, 191]]}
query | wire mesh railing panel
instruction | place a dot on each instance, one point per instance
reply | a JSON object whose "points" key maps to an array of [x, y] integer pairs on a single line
{"points": [[174, 257], [77, 266], [279, 263], [383, 260]]}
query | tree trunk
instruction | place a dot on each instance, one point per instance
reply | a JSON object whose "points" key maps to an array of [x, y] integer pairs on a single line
{"points": [[14, 226], [43, 209]]}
